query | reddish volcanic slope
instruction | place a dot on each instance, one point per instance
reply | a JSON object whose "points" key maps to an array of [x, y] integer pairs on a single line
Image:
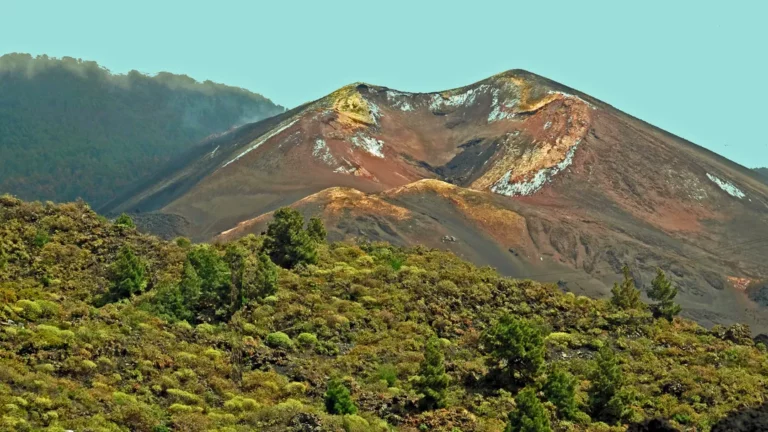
{"points": [[515, 171]]}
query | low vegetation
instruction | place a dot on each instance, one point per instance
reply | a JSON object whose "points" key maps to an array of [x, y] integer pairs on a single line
{"points": [[105, 329]]}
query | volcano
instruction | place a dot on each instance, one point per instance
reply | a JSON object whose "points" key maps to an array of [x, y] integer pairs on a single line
{"points": [[516, 171]]}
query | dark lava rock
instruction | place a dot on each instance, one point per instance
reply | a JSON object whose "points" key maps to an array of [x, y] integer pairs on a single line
{"points": [[750, 420], [652, 425], [305, 422]]}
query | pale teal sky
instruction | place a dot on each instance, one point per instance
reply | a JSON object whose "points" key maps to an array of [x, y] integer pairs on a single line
{"points": [[694, 68]]}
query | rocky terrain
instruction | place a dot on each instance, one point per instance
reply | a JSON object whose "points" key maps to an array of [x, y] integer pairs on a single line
{"points": [[515, 171]]}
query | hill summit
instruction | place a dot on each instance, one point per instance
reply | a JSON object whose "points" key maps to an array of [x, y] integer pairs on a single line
{"points": [[527, 175]]}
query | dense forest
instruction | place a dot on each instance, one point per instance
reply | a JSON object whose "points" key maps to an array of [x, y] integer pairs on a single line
{"points": [[71, 129], [103, 328]]}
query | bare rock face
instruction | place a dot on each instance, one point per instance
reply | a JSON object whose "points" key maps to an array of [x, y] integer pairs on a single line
{"points": [[534, 178]]}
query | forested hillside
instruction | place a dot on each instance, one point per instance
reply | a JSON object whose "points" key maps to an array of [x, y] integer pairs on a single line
{"points": [[70, 128], [106, 329]]}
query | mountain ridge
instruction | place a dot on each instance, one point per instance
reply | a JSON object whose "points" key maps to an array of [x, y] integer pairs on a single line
{"points": [[592, 188], [69, 118]]}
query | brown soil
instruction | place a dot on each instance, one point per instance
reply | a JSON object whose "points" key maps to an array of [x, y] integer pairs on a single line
{"points": [[580, 187]]}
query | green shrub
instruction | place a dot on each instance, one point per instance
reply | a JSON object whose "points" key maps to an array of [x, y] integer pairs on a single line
{"points": [[307, 340], [338, 399], [388, 373], [125, 221], [241, 404], [183, 396], [30, 310], [279, 340], [41, 238], [295, 388]]}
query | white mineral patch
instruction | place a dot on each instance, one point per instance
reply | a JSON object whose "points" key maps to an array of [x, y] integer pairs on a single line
{"points": [[547, 125], [255, 144], [214, 152], [369, 144], [375, 112], [727, 186], [497, 113], [345, 170], [322, 152], [399, 100], [542, 177], [454, 100]]}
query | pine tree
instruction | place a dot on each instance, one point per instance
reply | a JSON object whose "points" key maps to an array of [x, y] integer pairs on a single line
{"points": [[179, 301], [518, 345], [215, 282], [664, 293], [432, 381], [337, 399], [287, 242], [607, 379], [529, 414], [128, 274], [316, 230], [190, 289], [560, 389], [259, 278], [625, 295]]}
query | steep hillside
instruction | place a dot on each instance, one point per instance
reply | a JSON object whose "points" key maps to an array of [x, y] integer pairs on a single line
{"points": [[69, 128], [763, 173], [574, 187], [81, 351], [362, 136]]}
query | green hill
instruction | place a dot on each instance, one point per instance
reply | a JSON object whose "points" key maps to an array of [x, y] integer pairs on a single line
{"points": [[92, 339], [71, 129]]}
